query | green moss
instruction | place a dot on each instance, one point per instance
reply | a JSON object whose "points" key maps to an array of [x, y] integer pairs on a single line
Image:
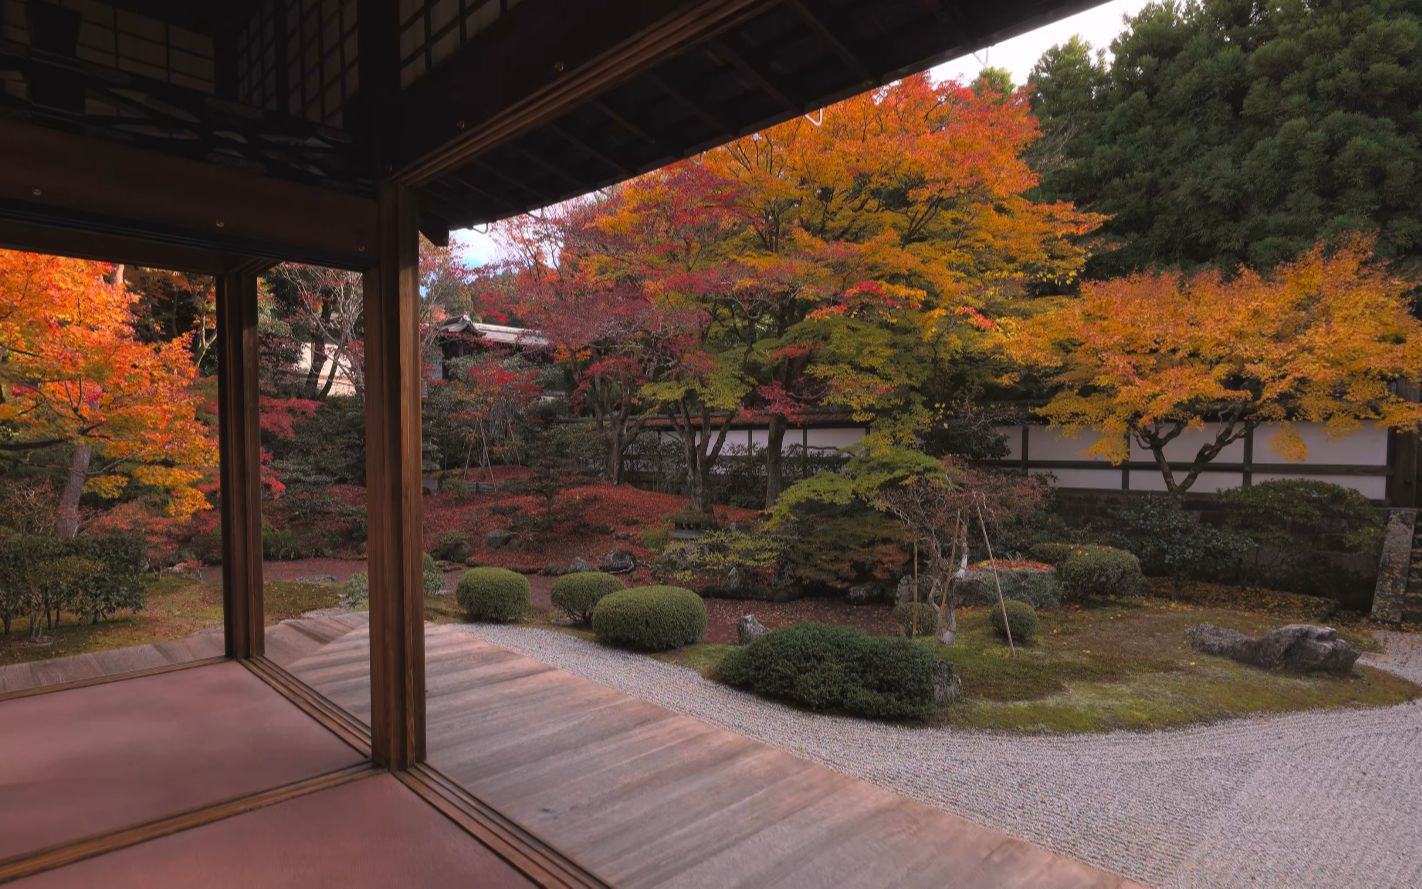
{"points": [[285, 599], [703, 657]]}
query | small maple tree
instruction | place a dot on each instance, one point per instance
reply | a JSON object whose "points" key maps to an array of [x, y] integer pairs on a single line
{"points": [[1146, 357], [74, 375]]}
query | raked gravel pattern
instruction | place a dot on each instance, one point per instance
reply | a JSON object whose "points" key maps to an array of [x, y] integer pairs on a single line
{"points": [[1318, 800]]}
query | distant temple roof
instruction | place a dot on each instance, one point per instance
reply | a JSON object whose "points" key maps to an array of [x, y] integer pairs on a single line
{"points": [[521, 337]]}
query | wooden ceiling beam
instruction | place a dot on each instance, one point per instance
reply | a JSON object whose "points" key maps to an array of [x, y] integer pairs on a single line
{"points": [[754, 77], [829, 38], [65, 180], [540, 60]]}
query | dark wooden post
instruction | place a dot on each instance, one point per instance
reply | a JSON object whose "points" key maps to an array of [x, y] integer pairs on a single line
{"points": [[393, 481], [239, 449]]}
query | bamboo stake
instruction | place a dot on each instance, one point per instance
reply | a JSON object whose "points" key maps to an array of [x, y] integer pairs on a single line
{"points": [[1001, 601]]}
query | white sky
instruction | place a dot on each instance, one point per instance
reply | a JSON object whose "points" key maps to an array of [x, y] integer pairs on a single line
{"points": [[1098, 26]]}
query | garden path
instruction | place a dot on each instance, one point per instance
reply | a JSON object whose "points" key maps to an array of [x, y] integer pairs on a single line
{"points": [[1318, 799]]}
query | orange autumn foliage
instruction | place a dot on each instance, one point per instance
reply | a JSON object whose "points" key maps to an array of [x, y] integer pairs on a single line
{"points": [[73, 374], [1149, 356]]}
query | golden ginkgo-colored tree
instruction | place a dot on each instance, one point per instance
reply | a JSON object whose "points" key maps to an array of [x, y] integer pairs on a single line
{"points": [[1146, 357]]}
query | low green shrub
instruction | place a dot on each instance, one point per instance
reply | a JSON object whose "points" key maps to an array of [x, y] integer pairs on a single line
{"points": [[493, 594], [432, 577], [280, 545], [576, 594], [1101, 571], [1040, 587], [355, 595], [656, 539], [1019, 617], [691, 517], [838, 669], [453, 546], [1173, 542], [651, 618], [916, 618], [1051, 553]]}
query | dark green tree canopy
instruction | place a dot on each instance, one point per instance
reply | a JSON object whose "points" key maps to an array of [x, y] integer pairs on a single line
{"points": [[1241, 132]]}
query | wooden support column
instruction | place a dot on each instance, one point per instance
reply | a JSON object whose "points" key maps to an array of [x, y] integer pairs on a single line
{"points": [[393, 482], [239, 449]]}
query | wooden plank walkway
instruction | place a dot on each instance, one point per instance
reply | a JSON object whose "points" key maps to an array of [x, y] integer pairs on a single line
{"points": [[645, 797], [98, 664]]}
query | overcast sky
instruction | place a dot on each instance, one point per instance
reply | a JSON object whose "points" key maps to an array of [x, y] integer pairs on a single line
{"points": [[1098, 26]]}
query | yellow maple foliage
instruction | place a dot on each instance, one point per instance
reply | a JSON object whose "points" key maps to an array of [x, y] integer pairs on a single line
{"points": [[1149, 356]]}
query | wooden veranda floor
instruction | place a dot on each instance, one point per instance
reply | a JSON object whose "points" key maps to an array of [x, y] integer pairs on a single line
{"points": [[642, 796], [645, 797]]}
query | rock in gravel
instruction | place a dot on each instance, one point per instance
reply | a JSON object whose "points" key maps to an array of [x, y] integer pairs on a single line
{"points": [[498, 538], [619, 561], [748, 629], [1296, 648], [946, 684]]}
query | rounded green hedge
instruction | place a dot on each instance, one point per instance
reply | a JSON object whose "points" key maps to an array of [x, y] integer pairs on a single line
{"points": [[493, 594], [651, 618], [1101, 571], [838, 669], [576, 594], [916, 618], [1051, 553], [1020, 617]]}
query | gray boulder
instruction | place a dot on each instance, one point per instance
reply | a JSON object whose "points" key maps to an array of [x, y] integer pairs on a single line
{"points": [[619, 561], [748, 629], [947, 686], [1296, 648], [579, 564], [498, 538]]}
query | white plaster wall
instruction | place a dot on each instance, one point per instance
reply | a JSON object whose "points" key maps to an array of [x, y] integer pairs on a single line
{"points": [[1045, 443], [1365, 446], [1184, 448]]}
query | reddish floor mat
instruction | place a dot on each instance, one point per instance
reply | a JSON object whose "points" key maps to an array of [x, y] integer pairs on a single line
{"points": [[89, 760], [373, 833]]}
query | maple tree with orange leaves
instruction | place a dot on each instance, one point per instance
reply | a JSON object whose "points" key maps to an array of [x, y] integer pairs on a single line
{"points": [[1146, 357], [74, 375]]}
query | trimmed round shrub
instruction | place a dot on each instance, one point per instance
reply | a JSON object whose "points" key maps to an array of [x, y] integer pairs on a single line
{"points": [[1101, 571], [1051, 553], [493, 594], [837, 669], [577, 593], [1020, 617], [1039, 587], [916, 618], [650, 618]]}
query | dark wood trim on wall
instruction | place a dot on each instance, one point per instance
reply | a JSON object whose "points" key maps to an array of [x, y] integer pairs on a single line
{"points": [[393, 481], [239, 454]]}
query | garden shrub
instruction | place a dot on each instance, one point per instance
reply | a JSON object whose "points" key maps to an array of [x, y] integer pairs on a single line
{"points": [[1036, 584], [830, 549], [839, 669], [454, 546], [733, 564], [118, 585], [650, 618], [280, 544], [493, 594], [576, 594], [355, 595], [691, 517], [1020, 617], [1306, 535], [916, 618], [1171, 542], [1101, 571], [432, 577], [1052, 553]]}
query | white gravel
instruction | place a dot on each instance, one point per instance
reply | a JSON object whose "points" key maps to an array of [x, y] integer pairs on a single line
{"points": [[1322, 799]]}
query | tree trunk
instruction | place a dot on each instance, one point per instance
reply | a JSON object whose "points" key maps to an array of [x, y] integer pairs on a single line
{"points": [[775, 459], [616, 445], [68, 520]]}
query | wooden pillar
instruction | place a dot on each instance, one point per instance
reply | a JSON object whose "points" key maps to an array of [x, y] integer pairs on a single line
{"points": [[393, 481], [239, 449]]}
